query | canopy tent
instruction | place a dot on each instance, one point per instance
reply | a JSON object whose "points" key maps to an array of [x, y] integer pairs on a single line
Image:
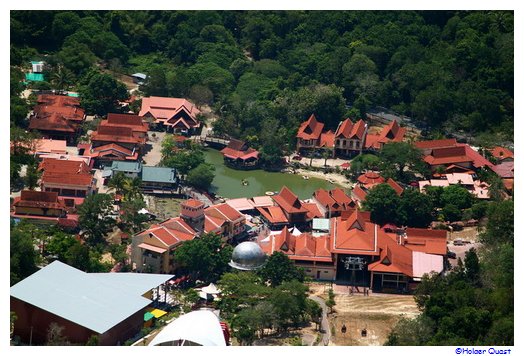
{"points": [[148, 316], [157, 313], [211, 289], [201, 327]]}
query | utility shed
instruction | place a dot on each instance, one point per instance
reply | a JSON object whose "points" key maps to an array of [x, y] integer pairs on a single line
{"points": [[108, 305]]}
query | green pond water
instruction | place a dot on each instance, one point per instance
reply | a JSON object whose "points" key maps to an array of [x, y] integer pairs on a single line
{"points": [[228, 182]]}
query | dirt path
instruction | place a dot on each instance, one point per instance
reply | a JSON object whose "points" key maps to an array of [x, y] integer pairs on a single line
{"points": [[325, 329], [368, 320]]}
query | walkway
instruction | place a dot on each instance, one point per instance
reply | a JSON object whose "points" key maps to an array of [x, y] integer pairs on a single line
{"points": [[324, 325]]}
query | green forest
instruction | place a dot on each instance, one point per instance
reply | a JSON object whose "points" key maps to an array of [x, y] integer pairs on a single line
{"points": [[264, 72]]}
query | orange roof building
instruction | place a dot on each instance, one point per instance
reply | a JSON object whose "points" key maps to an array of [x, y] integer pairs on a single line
{"points": [[333, 202], [238, 155], [359, 252], [224, 220], [350, 137], [309, 132], [390, 133], [460, 158], [119, 138], [369, 179], [57, 117], [152, 249], [311, 253], [502, 154], [176, 114]]}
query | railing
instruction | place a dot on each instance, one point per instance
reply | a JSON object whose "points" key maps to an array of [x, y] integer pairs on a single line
{"points": [[213, 139]]}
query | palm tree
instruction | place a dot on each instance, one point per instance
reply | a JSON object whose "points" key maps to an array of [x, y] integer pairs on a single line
{"points": [[132, 188], [62, 78], [117, 182]]}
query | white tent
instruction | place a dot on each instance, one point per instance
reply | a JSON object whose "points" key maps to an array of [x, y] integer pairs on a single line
{"points": [[294, 231], [201, 327], [211, 289]]}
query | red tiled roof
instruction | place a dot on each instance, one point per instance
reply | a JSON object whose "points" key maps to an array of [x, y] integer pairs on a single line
{"points": [[348, 129], [35, 199], [57, 113], [112, 147], [478, 160], [341, 197], [224, 211], [370, 179], [447, 155], [126, 120], [310, 129], [302, 247], [505, 169], [117, 134], [451, 142], [354, 236], [372, 140], [426, 240], [334, 200], [359, 193], [171, 232], [65, 172], [394, 258], [193, 203], [391, 132], [167, 108], [398, 189], [289, 202], [243, 155], [501, 153], [327, 139], [313, 211], [273, 214], [212, 223]]}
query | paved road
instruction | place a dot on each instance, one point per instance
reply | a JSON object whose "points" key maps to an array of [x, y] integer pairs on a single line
{"points": [[326, 335]]}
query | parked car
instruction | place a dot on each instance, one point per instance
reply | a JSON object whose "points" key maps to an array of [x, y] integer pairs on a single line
{"points": [[458, 242], [452, 255]]}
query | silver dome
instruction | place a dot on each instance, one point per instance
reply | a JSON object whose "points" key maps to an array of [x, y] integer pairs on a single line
{"points": [[247, 256]]}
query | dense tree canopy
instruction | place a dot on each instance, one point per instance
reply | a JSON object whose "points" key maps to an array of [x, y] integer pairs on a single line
{"points": [[451, 72], [206, 257]]}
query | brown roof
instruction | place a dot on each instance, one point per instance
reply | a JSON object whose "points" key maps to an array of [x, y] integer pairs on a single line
{"points": [[116, 134], [457, 154], [57, 113], [135, 122], [449, 142], [65, 172], [505, 169], [34, 199], [289, 202], [310, 129]]}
